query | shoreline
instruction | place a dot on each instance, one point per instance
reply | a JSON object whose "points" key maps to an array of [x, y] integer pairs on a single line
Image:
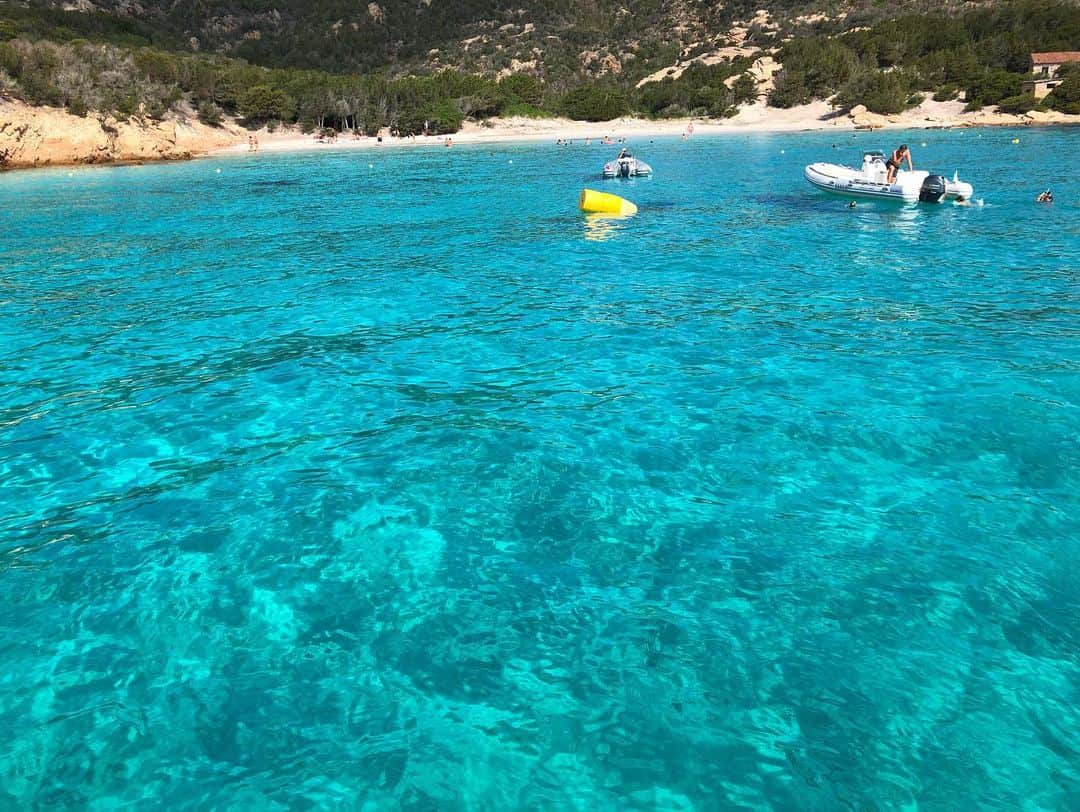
{"points": [[36, 137], [753, 119]]}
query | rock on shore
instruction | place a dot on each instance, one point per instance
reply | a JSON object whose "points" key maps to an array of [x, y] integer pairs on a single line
{"points": [[952, 114], [47, 136]]}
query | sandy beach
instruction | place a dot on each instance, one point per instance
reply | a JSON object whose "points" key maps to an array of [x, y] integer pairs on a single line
{"points": [[43, 136], [757, 118]]}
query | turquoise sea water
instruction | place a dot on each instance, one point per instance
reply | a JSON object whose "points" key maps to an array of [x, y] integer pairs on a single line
{"points": [[328, 486]]}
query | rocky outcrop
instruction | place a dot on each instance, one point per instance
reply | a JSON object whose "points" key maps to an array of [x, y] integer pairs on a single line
{"points": [[952, 114], [47, 136], [1046, 117], [863, 119], [600, 63], [763, 71]]}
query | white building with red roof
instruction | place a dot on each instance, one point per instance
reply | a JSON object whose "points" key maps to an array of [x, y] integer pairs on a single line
{"points": [[1044, 68]]}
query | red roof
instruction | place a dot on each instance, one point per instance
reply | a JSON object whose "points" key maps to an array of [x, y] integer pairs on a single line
{"points": [[1055, 57]]}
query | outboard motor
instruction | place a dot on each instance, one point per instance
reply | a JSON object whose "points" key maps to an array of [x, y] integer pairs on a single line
{"points": [[933, 189], [624, 169]]}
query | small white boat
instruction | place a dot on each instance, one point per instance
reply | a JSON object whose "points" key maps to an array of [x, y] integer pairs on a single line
{"points": [[871, 181], [626, 166]]}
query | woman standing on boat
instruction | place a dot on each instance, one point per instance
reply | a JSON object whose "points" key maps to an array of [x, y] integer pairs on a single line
{"points": [[897, 158]]}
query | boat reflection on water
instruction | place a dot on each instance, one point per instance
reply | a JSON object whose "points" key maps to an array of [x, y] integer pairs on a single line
{"points": [[902, 222], [600, 226]]}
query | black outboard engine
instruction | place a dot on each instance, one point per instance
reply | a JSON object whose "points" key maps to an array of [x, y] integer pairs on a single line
{"points": [[933, 189], [624, 169]]}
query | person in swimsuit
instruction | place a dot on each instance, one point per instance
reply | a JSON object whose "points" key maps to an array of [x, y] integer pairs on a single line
{"points": [[897, 158]]}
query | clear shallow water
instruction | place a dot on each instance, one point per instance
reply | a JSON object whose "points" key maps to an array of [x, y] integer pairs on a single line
{"points": [[324, 485]]}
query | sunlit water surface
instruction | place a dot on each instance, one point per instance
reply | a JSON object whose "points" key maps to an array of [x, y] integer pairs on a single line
{"points": [[335, 485]]}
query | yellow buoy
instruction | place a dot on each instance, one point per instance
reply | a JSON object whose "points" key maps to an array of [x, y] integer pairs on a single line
{"points": [[1016, 140], [605, 203]]}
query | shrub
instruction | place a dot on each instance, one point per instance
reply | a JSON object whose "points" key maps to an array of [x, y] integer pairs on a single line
{"points": [[790, 90], [154, 109], [1066, 96], [523, 109], [595, 102], [441, 118], [39, 89], [262, 102], [9, 59], [521, 88], [77, 106], [125, 105], [824, 64], [1023, 103], [946, 92], [744, 90], [156, 65], [991, 87], [881, 92], [209, 114]]}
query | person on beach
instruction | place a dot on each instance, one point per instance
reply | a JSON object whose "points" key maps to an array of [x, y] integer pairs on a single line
{"points": [[897, 158], [1045, 197]]}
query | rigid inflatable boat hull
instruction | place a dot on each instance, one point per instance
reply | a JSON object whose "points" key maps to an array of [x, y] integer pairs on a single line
{"points": [[847, 182]]}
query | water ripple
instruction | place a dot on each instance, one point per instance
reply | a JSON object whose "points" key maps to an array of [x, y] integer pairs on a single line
{"points": [[323, 481]]}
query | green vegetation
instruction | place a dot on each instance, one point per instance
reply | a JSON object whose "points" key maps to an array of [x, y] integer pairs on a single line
{"points": [[285, 59], [701, 90], [1066, 96], [46, 22], [148, 83], [596, 102], [209, 113], [814, 67], [983, 53]]}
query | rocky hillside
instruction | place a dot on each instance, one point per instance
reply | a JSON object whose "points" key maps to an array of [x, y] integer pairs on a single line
{"points": [[428, 65], [557, 39]]}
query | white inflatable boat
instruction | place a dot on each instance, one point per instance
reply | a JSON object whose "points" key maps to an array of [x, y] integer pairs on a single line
{"points": [[870, 181], [626, 166]]}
